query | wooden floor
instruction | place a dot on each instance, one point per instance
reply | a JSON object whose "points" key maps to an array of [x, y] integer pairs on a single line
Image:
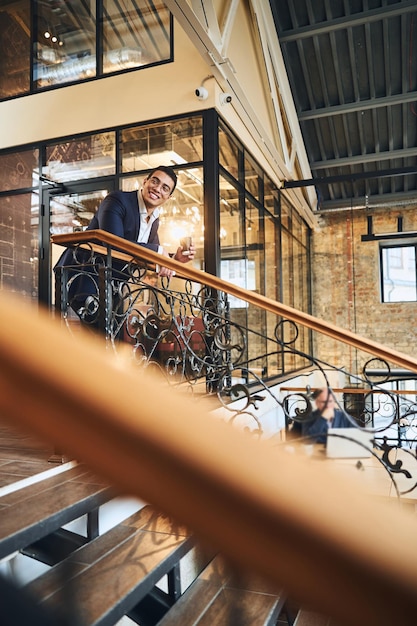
{"points": [[21, 456]]}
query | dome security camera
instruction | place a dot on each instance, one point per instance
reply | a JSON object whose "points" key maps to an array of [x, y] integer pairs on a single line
{"points": [[201, 93], [225, 98]]}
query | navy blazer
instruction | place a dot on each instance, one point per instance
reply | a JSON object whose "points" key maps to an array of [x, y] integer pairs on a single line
{"points": [[118, 214]]}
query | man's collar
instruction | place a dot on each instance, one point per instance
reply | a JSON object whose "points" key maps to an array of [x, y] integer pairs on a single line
{"points": [[142, 207]]}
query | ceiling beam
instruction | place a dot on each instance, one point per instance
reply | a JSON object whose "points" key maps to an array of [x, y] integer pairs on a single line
{"points": [[362, 105], [370, 157], [207, 16], [403, 199], [327, 180], [373, 15], [227, 24], [278, 80]]}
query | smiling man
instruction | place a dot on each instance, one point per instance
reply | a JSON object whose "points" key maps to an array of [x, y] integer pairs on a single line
{"points": [[134, 215]]}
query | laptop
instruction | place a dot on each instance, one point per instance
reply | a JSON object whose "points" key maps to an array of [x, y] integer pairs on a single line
{"points": [[348, 443]]}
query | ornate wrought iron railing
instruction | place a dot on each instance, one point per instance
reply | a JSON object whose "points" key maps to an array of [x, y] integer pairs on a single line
{"points": [[189, 333]]}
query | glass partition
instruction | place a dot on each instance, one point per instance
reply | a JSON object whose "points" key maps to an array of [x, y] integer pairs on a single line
{"points": [[255, 246], [15, 49], [165, 143], [271, 226], [135, 35], [19, 170], [78, 40], [253, 176], [19, 243], [65, 42], [81, 158], [228, 152], [257, 239]]}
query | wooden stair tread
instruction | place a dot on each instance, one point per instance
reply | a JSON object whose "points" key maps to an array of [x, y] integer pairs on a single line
{"points": [[33, 512], [217, 598], [111, 574], [311, 618]]}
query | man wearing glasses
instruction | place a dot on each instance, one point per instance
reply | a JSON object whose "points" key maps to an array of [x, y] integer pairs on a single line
{"points": [[134, 215]]}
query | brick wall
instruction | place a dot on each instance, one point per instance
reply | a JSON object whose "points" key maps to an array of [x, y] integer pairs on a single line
{"points": [[346, 284]]}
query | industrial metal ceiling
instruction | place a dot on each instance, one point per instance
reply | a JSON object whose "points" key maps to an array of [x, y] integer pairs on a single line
{"points": [[352, 67]]}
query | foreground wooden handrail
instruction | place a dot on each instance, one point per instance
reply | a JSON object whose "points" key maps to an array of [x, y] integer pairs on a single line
{"points": [[186, 270], [291, 521]]}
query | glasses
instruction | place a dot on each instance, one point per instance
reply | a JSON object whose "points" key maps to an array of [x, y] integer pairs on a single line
{"points": [[155, 182]]}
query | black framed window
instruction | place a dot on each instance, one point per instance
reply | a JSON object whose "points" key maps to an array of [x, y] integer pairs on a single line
{"points": [[78, 40], [398, 273], [15, 48]]}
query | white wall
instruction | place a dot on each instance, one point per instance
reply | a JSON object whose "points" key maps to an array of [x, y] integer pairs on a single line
{"points": [[116, 100], [146, 94]]}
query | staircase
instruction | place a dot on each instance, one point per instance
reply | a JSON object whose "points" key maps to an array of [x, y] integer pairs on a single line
{"points": [[169, 451], [135, 572]]}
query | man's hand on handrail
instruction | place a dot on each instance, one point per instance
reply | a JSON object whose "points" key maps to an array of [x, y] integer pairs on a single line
{"points": [[178, 256]]}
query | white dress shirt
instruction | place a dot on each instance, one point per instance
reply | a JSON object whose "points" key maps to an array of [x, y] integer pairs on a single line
{"points": [[146, 221]]}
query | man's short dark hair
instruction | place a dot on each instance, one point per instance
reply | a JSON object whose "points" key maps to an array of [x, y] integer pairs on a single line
{"points": [[167, 170]]}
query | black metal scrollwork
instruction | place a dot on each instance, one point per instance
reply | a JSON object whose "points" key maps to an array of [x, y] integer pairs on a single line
{"points": [[191, 335]]}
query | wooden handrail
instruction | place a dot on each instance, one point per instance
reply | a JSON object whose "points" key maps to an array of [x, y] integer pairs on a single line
{"points": [[187, 271], [276, 513]]}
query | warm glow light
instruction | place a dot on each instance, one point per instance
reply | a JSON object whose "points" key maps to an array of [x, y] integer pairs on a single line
{"points": [[47, 34], [178, 231]]}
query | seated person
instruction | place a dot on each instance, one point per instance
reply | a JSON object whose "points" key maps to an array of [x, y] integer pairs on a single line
{"points": [[326, 416]]}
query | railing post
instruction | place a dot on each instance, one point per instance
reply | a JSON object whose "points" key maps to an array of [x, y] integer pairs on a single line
{"points": [[105, 295], [58, 286]]}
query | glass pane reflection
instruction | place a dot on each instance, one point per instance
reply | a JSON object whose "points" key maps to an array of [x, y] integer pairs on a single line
{"points": [[14, 48], [19, 249], [135, 35], [228, 152], [65, 49], [87, 157], [18, 170], [164, 143]]}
